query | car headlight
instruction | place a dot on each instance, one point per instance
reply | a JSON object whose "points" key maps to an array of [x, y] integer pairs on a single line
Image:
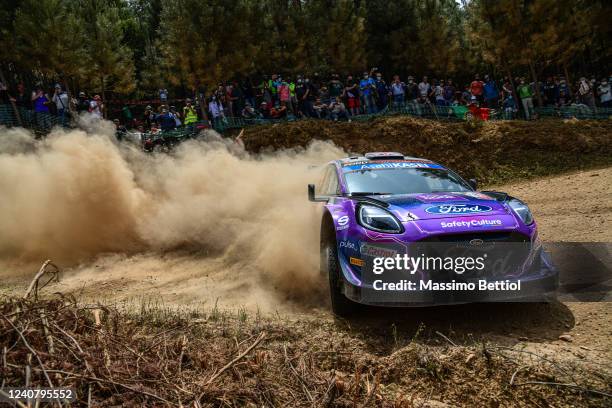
{"points": [[521, 209], [378, 219]]}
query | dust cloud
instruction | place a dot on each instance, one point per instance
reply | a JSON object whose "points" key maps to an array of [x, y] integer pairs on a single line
{"points": [[208, 220]]}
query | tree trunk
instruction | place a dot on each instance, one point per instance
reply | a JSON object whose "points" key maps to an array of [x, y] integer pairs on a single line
{"points": [[534, 78], [202, 101], [103, 98], [70, 107], [509, 75], [568, 80], [13, 104]]}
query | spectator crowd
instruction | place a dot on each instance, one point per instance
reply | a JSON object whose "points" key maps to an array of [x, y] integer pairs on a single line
{"points": [[333, 98]]}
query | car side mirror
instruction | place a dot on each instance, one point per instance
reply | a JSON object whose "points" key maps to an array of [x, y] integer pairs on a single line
{"points": [[473, 183], [312, 196]]}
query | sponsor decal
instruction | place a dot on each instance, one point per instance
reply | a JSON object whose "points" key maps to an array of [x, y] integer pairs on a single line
{"points": [[367, 161], [376, 251], [343, 221], [458, 209], [439, 197], [391, 165], [410, 216], [356, 261], [383, 154], [348, 245], [471, 223]]}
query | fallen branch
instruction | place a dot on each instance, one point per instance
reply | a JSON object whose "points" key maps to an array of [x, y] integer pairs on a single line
{"points": [[25, 342], [330, 392], [239, 137], [446, 338], [515, 373], [43, 269], [298, 376], [104, 380], [230, 364], [549, 361], [47, 332], [234, 361], [373, 390]]}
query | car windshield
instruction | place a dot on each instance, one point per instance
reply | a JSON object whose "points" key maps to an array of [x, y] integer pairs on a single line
{"points": [[404, 181]]}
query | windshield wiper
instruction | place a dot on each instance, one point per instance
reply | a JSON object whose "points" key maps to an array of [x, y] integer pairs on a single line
{"points": [[365, 193]]}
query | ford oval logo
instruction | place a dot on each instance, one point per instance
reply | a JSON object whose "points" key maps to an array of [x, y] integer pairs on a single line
{"points": [[476, 242], [458, 209]]}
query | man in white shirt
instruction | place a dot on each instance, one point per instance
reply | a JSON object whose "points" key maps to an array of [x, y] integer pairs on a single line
{"points": [[424, 89], [60, 98]]}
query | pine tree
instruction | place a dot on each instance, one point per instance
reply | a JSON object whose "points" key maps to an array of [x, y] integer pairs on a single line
{"points": [[391, 32], [343, 43], [49, 38], [141, 31], [8, 9], [533, 34], [111, 61], [568, 30], [495, 29], [283, 44], [437, 38]]}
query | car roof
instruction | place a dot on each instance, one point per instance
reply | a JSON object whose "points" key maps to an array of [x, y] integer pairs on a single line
{"points": [[377, 157]]}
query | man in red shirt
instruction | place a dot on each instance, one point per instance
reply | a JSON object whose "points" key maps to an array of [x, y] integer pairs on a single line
{"points": [[477, 88]]}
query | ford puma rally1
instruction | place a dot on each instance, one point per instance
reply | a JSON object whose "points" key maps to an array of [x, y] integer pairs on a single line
{"points": [[383, 205]]}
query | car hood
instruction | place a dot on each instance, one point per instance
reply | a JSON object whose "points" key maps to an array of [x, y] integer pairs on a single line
{"points": [[425, 206]]}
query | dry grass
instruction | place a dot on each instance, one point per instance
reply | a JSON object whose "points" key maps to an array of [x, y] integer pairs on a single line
{"points": [[163, 357]]}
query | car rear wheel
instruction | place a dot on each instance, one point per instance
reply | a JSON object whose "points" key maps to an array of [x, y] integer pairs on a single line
{"points": [[341, 305]]}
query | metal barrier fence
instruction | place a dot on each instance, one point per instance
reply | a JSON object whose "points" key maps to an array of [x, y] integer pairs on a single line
{"points": [[39, 122], [435, 112], [42, 122]]}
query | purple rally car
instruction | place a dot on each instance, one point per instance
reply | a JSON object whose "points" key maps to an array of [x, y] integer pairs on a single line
{"points": [[382, 199]]}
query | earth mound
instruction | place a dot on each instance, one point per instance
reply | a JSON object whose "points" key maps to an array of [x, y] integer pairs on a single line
{"points": [[490, 151]]}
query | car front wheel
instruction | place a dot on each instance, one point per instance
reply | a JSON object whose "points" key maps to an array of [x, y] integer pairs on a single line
{"points": [[341, 305]]}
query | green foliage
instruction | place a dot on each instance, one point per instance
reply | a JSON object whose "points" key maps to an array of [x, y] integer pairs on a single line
{"points": [[339, 36], [203, 42], [49, 38], [111, 61], [7, 16], [122, 45]]}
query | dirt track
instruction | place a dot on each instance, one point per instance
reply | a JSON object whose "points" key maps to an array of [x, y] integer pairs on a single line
{"points": [[570, 207]]}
